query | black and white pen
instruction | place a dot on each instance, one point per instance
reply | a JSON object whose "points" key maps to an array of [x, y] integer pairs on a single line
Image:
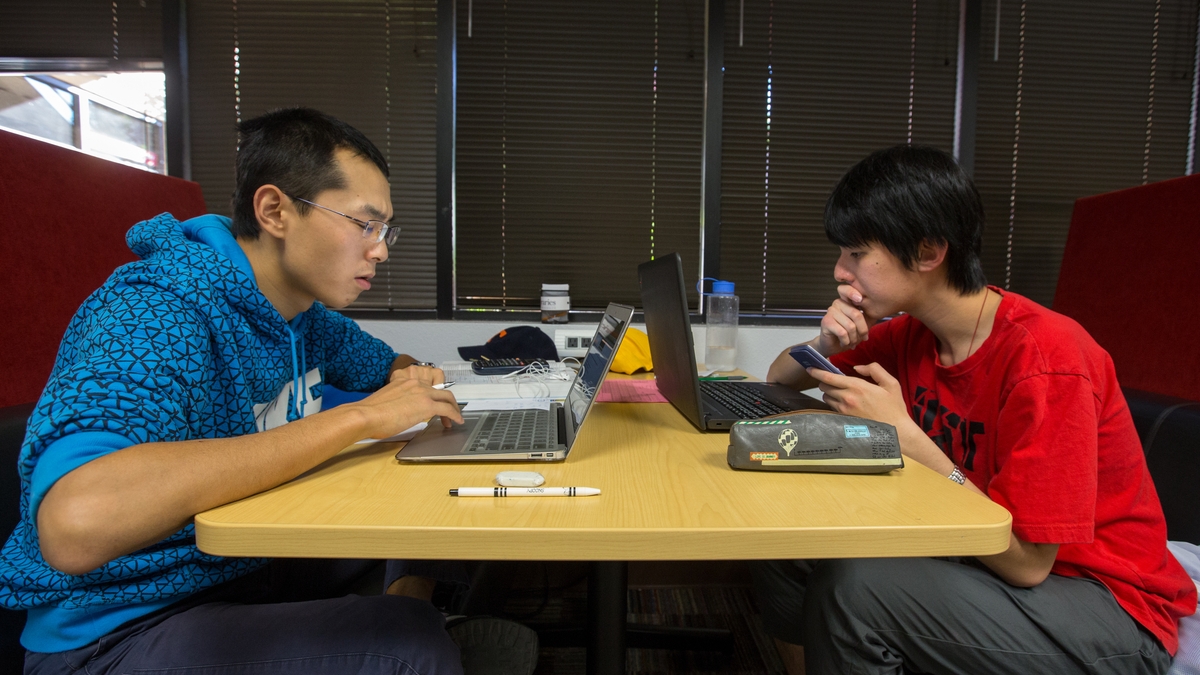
{"points": [[524, 492]]}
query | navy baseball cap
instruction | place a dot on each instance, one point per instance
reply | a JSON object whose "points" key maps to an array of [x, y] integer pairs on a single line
{"points": [[523, 342]]}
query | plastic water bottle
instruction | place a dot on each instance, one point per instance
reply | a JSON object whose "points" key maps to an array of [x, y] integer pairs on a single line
{"points": [[720, 348]]}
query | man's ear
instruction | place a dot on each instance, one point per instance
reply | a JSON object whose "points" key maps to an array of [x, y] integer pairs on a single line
{"points": [[272, 209], [930, 255]]}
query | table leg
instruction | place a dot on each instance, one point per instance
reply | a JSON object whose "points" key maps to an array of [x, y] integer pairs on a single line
{"points": [[607, 588]]}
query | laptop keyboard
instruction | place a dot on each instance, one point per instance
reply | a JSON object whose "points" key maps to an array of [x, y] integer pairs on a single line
{"points": [[515, 430], [741, 401]]}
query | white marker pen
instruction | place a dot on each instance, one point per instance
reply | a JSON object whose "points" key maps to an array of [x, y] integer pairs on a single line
{"points": [[524, 492]]}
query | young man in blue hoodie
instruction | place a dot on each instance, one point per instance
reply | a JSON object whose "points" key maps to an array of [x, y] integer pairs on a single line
{"points": [[193, 378]]}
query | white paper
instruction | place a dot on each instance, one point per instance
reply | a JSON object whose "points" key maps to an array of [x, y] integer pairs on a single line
{"points": [[508, 404], [406, 435]]}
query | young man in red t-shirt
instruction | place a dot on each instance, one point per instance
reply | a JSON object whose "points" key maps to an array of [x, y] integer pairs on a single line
{"points": [[1009, 399]]}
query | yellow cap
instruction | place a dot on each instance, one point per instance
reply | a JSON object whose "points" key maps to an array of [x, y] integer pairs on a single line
{"points": [[634, 354]]}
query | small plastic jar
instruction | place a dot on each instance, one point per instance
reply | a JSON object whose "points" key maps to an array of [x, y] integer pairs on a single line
{"points": [[556, 302]]}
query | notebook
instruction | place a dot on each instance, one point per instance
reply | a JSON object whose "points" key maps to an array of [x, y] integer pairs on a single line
{"points": [[710, 405], [523, 435]]}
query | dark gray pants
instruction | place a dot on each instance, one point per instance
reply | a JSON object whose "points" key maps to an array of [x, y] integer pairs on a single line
{"points": [[925, 615], [292, 617]]}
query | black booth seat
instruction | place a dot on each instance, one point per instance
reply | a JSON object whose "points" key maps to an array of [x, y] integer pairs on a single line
{"points": [[1170, 432], [12, 434]]}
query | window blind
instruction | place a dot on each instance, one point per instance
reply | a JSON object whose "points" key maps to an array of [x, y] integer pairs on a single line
{"points": [[578, 146], [122, 31], [579, 127], [1077, 97], [810, 89], [370, 63]]}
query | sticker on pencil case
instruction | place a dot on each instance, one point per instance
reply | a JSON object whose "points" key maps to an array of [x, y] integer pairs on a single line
{"points": [[788, 440], [857, 431], [762, 456]]}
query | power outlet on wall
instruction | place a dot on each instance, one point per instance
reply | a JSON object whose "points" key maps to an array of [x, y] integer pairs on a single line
{"points": [[572, 341]]}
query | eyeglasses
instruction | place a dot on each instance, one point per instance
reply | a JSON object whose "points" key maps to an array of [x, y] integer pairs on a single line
{"points": [[373, 230]]}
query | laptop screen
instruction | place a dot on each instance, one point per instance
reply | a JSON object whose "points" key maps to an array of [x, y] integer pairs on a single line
{"points": [[599, 357], [664, 302]]}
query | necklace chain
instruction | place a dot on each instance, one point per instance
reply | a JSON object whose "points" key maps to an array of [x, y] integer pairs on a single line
{"points": [[977, 319]]}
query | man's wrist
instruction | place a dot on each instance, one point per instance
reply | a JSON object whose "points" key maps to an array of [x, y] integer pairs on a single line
{"points": [[403, 361], [921, 448], [352, 421], [827, 352]]}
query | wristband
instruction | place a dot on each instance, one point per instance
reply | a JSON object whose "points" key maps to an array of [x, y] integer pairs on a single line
{"points": [[957, 476]]}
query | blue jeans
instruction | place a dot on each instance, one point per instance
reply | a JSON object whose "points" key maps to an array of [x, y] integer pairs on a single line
{"points": [[291, 617]]}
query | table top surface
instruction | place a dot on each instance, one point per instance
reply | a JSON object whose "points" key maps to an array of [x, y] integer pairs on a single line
{"points": [[667, 494]]}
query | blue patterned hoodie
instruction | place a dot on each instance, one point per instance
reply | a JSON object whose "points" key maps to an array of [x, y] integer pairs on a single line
{"points": [[179, 345]]}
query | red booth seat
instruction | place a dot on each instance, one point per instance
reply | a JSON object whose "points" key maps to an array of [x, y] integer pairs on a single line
{"points": [[1130, 276], [63, 218]]}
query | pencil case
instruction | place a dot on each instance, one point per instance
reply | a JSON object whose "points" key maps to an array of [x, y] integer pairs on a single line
{"points": [[814, 441]]}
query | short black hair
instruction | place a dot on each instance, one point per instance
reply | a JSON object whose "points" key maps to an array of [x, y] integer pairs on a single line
{"points": [[901, 196], [292, 149]]}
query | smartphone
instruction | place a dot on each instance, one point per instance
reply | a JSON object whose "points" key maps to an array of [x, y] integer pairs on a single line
{"points": [[808, 357]]}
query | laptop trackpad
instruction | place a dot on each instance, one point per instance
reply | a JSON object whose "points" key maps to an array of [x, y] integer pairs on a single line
{"points": [[437, 440]]}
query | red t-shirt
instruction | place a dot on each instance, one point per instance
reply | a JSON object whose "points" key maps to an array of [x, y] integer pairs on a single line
{"points": [[1035, 419]]}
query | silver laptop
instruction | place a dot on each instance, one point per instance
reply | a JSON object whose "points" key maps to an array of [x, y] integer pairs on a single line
{"points": [[523, 435]]}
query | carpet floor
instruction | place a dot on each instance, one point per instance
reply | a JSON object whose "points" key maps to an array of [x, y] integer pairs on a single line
{"points": [[727, 607]]}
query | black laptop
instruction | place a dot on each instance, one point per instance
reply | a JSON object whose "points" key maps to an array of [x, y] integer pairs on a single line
{"points": [[710, 405]]}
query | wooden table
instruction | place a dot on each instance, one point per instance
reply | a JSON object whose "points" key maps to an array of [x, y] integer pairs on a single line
{"points": [[668, 494]]}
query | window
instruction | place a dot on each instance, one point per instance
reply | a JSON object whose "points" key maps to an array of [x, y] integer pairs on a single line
{"points": [[579, 147], [810, 89], [86, 74], [118, 116], [1076, 98], [126, 35], [371, 63], [580, 127]]}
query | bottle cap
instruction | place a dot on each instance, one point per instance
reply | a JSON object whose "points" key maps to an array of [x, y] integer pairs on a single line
{"points": [[556, 287], [719, 288]]}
